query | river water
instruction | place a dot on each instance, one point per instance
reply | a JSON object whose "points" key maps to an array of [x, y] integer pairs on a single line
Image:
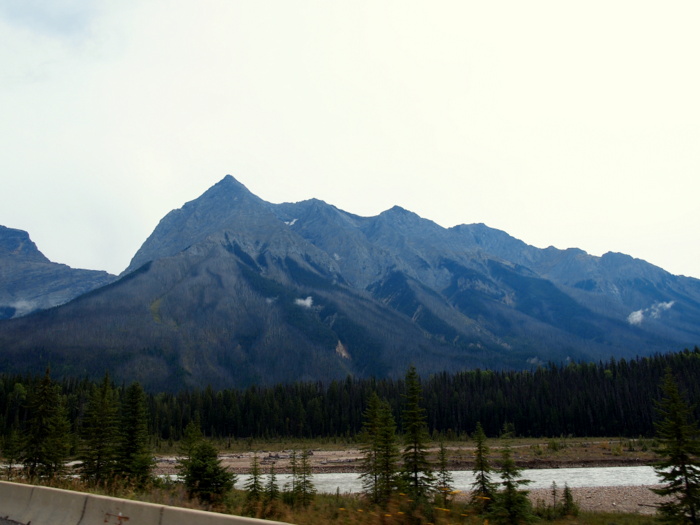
{"points": [[540, 478]]}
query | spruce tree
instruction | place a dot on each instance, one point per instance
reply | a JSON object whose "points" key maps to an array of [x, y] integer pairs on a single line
{"points": [[379, 450], [100, 434], [254, 484], [417, 473], [569, 507], [387, 449], [369, 474], [511, 505], [290, 488], [134, 458], [483, 488], [191, 437], [272, 491], [203, 474], [11, 451], [305, 489], [47, 439], [679, 468], [444, 479]]}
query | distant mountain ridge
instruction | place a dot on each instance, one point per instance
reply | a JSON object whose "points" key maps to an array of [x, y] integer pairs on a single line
{"points": [[233, 290], [29, 281]]}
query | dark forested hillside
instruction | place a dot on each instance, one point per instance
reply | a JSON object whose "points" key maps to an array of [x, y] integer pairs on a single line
{"points": [[613, 398]]}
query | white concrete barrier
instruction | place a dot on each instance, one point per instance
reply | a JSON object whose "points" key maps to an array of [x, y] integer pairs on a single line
{"points": [[14, 499], [115, 511], [49, 506], [175, 516]]}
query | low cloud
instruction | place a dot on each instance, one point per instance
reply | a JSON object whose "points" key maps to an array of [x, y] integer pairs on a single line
{"points": [[307, 303], [654, 312], [536, 361]]}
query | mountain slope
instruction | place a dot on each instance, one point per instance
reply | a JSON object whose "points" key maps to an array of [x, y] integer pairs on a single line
{"points": [[233, 290], [29, 281]]}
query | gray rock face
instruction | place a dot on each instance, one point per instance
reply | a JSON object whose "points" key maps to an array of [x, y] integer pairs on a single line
{"points": [[29, 281], [230, 289]]}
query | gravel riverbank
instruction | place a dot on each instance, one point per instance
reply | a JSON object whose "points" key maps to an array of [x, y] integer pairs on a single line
{"points": [[638, 499]]}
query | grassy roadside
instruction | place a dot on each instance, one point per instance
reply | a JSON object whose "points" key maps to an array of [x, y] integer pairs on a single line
{"points": [[343, 509], [351, 509]]}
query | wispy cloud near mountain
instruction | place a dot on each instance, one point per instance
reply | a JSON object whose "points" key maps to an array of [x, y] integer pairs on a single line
{"points": [[654, 312]]}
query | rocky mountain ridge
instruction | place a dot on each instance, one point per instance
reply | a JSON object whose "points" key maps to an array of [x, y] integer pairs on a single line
{"points": [[230, 289], [30, 282]]}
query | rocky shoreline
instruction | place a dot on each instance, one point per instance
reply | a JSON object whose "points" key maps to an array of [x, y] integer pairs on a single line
{"points": [[630, 499]]}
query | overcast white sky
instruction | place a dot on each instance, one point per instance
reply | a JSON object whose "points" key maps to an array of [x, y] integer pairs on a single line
{"points": [[573, 124]]}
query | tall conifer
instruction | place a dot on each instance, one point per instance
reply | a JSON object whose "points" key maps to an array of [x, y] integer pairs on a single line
{"points": [[100, 432], [444, 479], [380, 451], [511, 505], [305, 489], [47, 440], [417, 472], [483, 488], [134, 457], [679, 468], [254, 484], [272, 491]]}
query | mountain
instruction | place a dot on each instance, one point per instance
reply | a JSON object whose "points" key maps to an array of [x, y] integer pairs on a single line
{"points": [[232, 290], [29, 281]]}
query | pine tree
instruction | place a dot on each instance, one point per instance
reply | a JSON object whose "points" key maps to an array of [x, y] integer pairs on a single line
{"points": [[380, 451], [272, 491], [569, 506], [203, 474], [12, 451], [511, 505], [191, 437], [100, 433], [483, 489], [290, 489], [254, 484], [304, 485], [47, 440], [134, 457], [444, 478], [387, 449], [679, 469], [417, 472], [369, 474]]}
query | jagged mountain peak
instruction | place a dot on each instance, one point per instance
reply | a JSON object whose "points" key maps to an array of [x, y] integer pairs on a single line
{"points": [[228, 205], [402, 215], [225, 195], [396, 209], [231, 186], [16, 243]]}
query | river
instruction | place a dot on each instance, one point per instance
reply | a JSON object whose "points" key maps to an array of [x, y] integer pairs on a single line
{"points": [[540, 478]]}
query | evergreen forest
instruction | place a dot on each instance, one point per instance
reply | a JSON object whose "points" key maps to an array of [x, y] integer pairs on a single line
{"points": [[612, 398]]}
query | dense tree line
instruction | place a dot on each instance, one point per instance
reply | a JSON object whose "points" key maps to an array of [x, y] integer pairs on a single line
{"points": [[612, 398], [111, 440]]}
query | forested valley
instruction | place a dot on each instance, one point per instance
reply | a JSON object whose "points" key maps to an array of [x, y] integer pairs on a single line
{"points": [[612, 398]]}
